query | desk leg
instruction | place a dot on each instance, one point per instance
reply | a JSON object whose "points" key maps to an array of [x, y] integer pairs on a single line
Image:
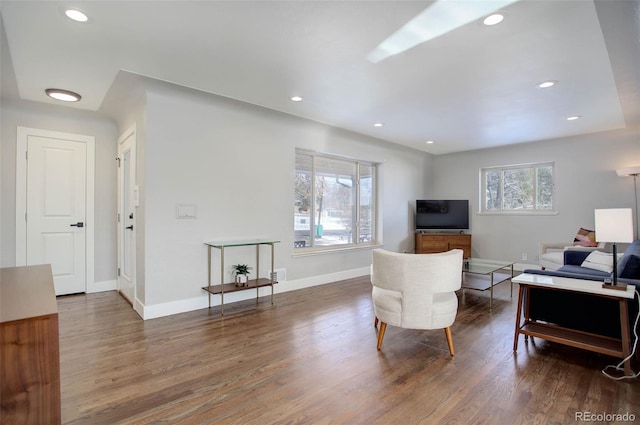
{"points": [[272, 270], [222, 281], [491, 296], [625, 334], [257, 273], [511, 281], [518, 317], [209, 272]]}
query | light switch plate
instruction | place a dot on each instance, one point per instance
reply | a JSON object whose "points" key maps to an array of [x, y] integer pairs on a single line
{"points": [[136, 195], [186, 211]]}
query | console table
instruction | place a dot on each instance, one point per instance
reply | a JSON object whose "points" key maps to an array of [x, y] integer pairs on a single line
{"points": [[598, 343], [29, 347], [429, 243], [225, 288]]}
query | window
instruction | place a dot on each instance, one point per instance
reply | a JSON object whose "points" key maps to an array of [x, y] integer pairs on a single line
{"points": [[335, 203], [517, 188]]}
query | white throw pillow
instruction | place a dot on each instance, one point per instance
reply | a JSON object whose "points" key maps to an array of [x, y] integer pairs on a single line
{"points": [[600, 261]]}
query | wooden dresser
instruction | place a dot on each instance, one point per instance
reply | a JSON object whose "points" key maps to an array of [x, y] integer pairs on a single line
{"points": [[428, 243], [29, 347]]}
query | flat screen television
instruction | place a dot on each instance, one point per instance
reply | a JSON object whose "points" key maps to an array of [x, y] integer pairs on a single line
{"points": [[442, 214]]}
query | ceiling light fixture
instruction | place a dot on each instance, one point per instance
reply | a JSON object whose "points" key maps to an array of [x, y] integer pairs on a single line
{"points": [[76, 15], [64, 95], [493, 19], [547, 84], [296, 98], [573, 118], [429, 142], [378, 124]]}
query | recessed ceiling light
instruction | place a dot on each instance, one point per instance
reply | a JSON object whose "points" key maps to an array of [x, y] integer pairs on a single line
{"points": [[547, 84], [429, 142], [64, 95], [573, 118], [76, 15], [296, 98], [493, 19], [378, 124]]}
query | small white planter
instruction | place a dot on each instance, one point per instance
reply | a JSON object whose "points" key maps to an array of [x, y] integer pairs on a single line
{"points": [[241, 280]]}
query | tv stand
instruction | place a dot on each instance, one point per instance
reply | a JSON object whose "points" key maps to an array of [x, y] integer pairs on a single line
{"points": [[429, 243]]}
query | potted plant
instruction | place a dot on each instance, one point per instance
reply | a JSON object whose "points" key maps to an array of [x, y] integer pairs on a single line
{"points": [[241, 271]]}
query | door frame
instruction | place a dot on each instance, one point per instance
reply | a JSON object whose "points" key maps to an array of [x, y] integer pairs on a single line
{"points": [[23, 134], [129, 133]]}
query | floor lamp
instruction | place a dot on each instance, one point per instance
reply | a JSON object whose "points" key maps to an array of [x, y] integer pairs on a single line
{"points": [[614, 225], [632, 171]]}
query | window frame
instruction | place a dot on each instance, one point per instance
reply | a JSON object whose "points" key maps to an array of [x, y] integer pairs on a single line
{"points": [[501, 169], [356, 222]]}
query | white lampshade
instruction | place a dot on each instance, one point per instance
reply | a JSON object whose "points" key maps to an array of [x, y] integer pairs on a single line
{"points": [[629, 171], [614, 225]]}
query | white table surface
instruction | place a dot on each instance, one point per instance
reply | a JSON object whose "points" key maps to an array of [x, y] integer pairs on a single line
{"points": [[577, 285]]}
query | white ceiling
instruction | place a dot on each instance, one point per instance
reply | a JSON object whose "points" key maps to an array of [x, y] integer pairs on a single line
{"points": [[474, 87]]}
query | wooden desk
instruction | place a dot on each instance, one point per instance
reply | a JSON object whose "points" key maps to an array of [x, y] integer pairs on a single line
{"points": [[29, 347], [600, 344]]}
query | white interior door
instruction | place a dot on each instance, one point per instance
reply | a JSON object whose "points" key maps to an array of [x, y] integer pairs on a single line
{"points": [[127, 194], [56, 207]]}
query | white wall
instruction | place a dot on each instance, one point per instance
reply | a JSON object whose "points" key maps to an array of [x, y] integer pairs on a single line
{"points": [[48, 117], [235, 163], [585, 179]]}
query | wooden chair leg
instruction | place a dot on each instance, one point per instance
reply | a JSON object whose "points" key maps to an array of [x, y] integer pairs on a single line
{"points": [[447, 332], [375, 322], [383, 327]]}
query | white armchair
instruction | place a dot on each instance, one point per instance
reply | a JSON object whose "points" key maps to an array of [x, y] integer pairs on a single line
{"points": [[416, 291]]}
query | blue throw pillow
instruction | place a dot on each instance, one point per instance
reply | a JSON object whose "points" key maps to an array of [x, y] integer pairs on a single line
{"points": [[633, 249], [629, 267]]}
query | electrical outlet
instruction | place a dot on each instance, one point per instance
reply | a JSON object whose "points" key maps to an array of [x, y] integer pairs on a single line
{"points": [[280, 275], [524, 257]]}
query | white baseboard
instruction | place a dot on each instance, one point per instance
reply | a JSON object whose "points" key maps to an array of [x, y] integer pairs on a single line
{"points": [[307, 282], [105, 285], [183, 306], [139, 308], [173, 307]]}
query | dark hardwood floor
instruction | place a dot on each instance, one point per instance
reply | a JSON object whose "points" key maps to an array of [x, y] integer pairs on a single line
{"points": [[312, 359]]}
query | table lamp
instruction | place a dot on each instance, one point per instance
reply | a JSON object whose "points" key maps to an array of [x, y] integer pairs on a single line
{"points": [[634, 172], [614, 225]]}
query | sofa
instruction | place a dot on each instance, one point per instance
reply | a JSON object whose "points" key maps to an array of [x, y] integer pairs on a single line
{"points": [[551, 254], [582, 311]]}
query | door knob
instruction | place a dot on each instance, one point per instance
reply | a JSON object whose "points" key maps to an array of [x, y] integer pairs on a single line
{"points": [[78, 224], [129, 227]]}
